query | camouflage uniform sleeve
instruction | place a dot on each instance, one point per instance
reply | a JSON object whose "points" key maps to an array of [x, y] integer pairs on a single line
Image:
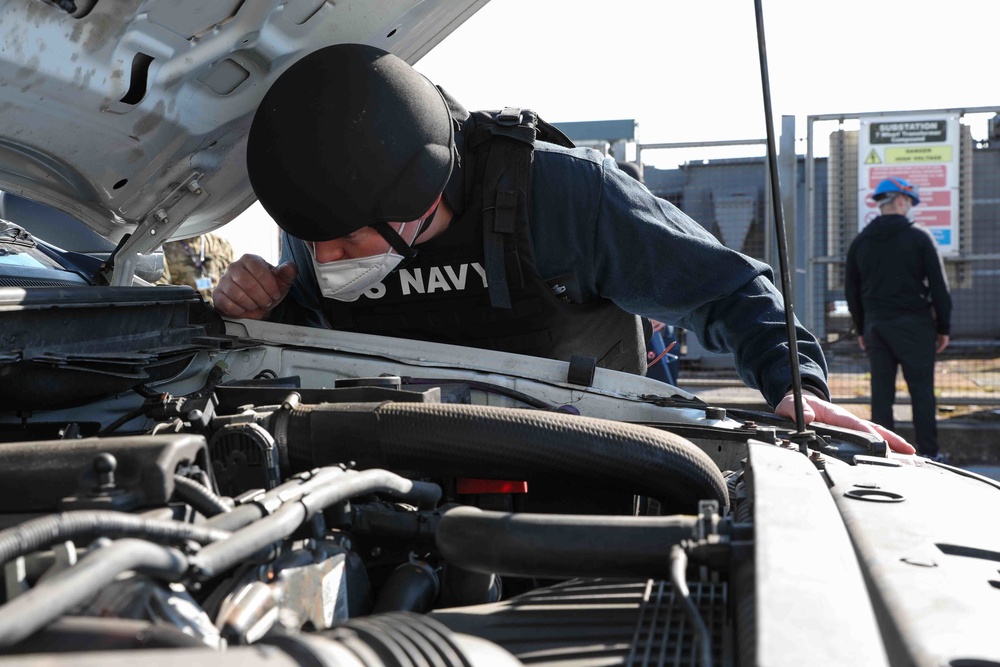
{"points": [[218, 257], [220, 250], [184, 264]]}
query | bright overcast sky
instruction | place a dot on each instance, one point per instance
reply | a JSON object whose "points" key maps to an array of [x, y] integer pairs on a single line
{"points": [[689, 71]]}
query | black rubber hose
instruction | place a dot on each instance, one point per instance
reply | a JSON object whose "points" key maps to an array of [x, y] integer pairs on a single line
{"points": [[240, 516], [35, 534], [678, 577], [411, 587], [49, 600], [355, 483], [216, 558], [211, 562], [560, 546], [201, 498], [507, 443], [73, 634], [245, 514]]}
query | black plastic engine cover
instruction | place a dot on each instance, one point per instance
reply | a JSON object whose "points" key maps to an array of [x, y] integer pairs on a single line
{"points": [[37, 476]]}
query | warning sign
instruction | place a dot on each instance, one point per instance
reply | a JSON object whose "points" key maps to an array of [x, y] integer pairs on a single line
{"points": [[926, 177], [909, 132], [924, 151], [915, 154], [930, 217], [942, 236]]}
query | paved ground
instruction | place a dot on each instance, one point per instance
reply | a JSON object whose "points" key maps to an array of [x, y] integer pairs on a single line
{"points": [[966, 372]]}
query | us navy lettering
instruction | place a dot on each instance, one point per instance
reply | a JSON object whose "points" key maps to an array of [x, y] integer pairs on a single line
{"points": [[434, 279]]}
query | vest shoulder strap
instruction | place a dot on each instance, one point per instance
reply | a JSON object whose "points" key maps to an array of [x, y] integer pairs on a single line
{"points": [[507, 138]]}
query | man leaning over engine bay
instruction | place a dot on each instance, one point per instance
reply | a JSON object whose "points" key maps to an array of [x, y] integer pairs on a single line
{"points": [[405, 215]]}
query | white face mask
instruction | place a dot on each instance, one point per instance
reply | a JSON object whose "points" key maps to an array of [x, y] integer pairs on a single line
{"points": [[348, 279]]}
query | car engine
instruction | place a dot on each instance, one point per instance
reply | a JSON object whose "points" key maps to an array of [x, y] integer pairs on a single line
{"points": [[180, 488]]}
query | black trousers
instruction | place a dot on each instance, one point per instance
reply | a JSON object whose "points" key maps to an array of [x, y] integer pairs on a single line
{"points": [[906, 341]]}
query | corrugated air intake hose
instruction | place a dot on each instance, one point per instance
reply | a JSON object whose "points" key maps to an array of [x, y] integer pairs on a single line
{"points": [[501, 443]]}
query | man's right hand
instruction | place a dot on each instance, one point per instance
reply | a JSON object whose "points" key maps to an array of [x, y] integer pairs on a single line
{"points": [[251, 288]]}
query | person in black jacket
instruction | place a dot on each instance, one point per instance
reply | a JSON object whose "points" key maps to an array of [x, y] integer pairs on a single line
{"points": [[898, 297]]}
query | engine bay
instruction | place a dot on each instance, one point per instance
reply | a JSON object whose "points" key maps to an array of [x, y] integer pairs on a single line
{"points": [[208, 491]]}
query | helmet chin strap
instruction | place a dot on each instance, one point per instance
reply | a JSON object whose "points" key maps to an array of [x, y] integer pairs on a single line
{"points": [[393, 238], [426, 222]]}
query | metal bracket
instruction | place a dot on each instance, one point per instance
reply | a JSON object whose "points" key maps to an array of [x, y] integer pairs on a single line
{"points": [[708, 519], [162, 221]]}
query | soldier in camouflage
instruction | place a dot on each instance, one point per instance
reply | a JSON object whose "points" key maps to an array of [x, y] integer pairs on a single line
{"points": [[198, 262]]}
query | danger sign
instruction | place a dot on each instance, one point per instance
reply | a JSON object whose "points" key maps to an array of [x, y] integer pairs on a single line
{"points": [[924, 151]]}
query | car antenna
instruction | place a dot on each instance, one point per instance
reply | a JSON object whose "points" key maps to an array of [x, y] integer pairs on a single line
{"points": [[802, 437]]}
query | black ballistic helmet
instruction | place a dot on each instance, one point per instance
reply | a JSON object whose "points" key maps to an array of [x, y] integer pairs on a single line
{"points": [[348, 137]]}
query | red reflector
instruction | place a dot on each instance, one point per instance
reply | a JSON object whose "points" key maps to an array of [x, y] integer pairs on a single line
{"points": [[470, 486]]}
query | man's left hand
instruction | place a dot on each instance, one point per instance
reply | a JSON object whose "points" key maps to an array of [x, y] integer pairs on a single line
{"points": [[824, 412]]}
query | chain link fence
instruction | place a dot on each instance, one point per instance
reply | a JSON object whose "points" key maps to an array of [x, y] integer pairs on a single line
{"points": [[948, 153], [954, 155]]}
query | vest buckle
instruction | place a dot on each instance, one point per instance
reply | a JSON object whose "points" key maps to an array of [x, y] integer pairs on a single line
{"points": [[510, 116]]}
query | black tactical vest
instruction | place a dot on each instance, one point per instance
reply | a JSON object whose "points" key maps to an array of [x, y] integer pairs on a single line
{"points": [[476, 284]]}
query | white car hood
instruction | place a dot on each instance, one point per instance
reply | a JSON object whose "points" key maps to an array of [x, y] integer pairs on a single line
{"points": [[133, 114]]}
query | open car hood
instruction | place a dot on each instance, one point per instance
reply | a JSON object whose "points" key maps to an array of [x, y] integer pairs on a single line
{"points": [[133, 114]]}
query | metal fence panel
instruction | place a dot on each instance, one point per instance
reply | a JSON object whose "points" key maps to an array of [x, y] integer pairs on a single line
{"points": [[968, 372]]}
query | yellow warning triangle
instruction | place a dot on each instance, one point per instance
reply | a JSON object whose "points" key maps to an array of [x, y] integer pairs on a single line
{"points": [[873, 158]]}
